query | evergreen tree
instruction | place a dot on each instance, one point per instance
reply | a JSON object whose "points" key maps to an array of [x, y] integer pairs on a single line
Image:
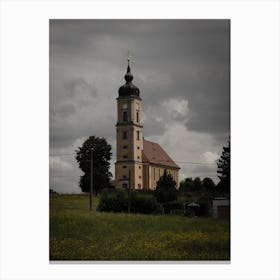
{"points": [[166, 188], [101, 155], [224, 169]]}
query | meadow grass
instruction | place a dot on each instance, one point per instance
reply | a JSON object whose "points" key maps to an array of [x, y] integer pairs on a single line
{"points": [[77, 234]]}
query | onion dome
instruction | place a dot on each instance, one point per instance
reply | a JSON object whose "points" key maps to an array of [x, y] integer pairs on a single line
{"points": [[128, 88]]}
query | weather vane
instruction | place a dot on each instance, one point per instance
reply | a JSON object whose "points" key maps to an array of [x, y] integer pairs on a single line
{"points": [[128, 56]]}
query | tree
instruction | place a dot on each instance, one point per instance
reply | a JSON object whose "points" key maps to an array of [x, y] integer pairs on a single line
{"points": [[224, 169], [186, 185], [166, 188], [101, 154], [208, 185], [197, 184]]}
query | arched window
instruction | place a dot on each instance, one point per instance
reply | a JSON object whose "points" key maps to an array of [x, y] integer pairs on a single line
{"points": [[124, 116], [137, 117]]}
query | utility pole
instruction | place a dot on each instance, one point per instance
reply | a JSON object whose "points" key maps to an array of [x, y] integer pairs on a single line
{"points": [[129, 198], [91, 181]]}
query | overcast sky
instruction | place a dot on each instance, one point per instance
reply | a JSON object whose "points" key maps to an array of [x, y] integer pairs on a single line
{"points": [[181, 68]]}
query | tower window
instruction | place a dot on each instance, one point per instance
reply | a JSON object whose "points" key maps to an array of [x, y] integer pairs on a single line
{"points": [[138, 147], [137, 117], [124, 147], [124, 116], [124, 176], [124, 166], [139, 166], [138, 157], [139, 177], [124, 156], [154, 173], [138, 135], [124, 135]]}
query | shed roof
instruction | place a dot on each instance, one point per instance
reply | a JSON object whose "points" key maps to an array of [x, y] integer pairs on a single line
{"points": [[155, 154]]}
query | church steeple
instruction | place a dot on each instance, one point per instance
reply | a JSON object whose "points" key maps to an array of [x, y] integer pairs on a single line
{"points": [[128, 76], [128, 88], [129, 135]]}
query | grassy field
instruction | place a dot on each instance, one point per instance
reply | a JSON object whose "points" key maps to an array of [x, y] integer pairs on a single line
{"points": [[77, 234]]}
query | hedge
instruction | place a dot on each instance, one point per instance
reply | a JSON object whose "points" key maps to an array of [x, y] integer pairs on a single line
{"points": [[117, 201], [171, 205]]}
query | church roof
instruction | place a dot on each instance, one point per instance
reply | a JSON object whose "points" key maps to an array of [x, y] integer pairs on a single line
{"points": [[155, 154]]}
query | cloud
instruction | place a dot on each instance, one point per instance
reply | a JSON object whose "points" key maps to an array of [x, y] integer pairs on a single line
{"points": [[209, 157]]}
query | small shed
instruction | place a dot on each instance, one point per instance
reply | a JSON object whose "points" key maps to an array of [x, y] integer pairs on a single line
{"points": [[221, 208], [191, 209]]}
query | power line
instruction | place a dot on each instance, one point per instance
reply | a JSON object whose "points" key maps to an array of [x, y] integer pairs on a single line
{"points": [[64, 176], [77, 177], [176, 161], [56, 155]]}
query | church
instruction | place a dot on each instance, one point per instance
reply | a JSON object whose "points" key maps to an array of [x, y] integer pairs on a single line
{"points": [[140, 163]]}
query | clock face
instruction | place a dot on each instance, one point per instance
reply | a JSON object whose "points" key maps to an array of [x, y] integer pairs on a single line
{"points": [[124, 106]]}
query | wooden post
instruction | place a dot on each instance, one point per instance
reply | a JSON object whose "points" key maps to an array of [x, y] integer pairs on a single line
{"points": [[91, 181]]}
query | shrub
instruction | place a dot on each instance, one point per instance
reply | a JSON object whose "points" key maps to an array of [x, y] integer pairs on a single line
{"points": [[171, 205], [205, 207], [117, 201], [143, 203], [145, 192], [113, 201], [179, 212]]}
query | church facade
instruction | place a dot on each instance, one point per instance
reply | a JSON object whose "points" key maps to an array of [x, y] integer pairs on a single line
{"points": [[140, 163]]}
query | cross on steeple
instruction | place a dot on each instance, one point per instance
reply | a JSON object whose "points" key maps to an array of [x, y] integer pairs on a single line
{"points": [[128, 56]]}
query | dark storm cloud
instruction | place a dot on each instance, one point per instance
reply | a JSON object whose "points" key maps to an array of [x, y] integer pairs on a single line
{"points": [[64, 134], [181, 67]]}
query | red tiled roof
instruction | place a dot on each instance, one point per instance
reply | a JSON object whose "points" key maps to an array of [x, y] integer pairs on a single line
{"points": [[154, 153]]}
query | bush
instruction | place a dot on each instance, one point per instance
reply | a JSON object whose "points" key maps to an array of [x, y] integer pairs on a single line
{"points": [[117, 201], [143, 203], [145, 192], [178, 212], [205, 207], [172, 205], [113, 201]]}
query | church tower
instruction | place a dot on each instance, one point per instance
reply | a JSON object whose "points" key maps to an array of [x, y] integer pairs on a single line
{"points": [[129, 135]]}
